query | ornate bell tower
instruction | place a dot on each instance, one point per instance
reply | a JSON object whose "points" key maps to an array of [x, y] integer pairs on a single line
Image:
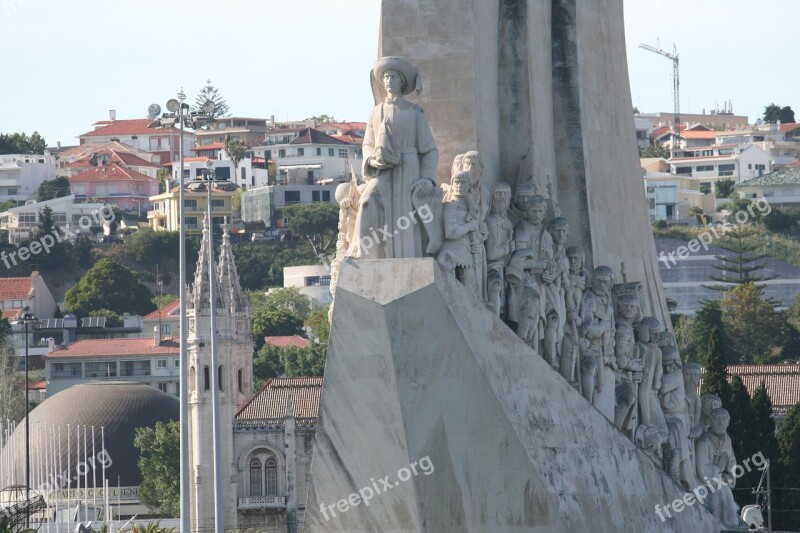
{"points": [[234, 347]]}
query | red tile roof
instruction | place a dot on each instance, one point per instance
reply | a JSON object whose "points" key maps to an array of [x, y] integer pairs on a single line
{"points": [[36, 385], [782, 382], [136, 126], [794, 164], [270, 402], [287, 340], [702, 134], [348, 138], [343, 126], [212, 146], [312, 136], [110, 172], [789, 126], [15, 288], [13, 313], [164, 311], [124, 158], [116, 347]]}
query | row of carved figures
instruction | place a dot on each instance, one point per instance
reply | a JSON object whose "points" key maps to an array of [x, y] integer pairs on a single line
{"points": [[514, 257]]}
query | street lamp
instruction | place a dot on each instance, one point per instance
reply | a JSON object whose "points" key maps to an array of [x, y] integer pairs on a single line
{"points": [[209, 178], [179, 113], [27, 319]]}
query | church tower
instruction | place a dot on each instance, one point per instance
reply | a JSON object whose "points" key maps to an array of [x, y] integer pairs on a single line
{"points": [[234, 347]]}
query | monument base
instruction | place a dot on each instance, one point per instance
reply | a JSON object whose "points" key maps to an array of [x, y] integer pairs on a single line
{"points": [[435, 417]]}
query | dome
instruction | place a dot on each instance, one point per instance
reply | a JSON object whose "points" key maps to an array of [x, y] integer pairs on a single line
{"points": [[117, 407]]}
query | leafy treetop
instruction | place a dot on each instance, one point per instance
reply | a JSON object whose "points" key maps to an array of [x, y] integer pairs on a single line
{"points": [[20, 143]]}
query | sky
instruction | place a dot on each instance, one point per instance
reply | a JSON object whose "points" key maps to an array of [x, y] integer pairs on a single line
{"points": [[66, 64]]}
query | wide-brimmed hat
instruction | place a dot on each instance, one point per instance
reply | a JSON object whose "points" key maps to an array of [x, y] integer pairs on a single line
{"points": [[407, 70]]}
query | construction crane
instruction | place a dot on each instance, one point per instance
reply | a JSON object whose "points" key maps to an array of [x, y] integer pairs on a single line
{"points": [[675, 77]]}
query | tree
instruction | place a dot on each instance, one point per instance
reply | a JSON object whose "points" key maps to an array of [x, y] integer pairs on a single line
{"points": [[12, 397], [774, 113], [236, 150], [764, 423], [752, 325], [743, 438], [150, 248], [55, 188], [260, 265], [656, 149], [723, 188], [316, 222], [271, 321], [109, 285], [779, 221], [318, 322], [160, 467], [706, 320], [209, 92], [787, 499], [58, 254], [740, 264], [289, 298], [20, 143], [291, 361], [715, 378]]}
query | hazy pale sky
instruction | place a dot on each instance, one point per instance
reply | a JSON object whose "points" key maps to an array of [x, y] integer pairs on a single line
{"points": [[65, 64]]}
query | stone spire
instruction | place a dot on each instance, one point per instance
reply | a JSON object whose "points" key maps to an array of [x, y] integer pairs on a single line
{"points": [[231, 291], [200, 288]]}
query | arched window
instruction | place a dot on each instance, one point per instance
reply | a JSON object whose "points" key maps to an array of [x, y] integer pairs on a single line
{"points": [[240, 379], [271, 471], [219, 377], [255, 478], [206, 378]]}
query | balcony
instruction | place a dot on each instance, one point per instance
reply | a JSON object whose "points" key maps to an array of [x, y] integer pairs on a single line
{"points": [[128, 372], [263, 502]]}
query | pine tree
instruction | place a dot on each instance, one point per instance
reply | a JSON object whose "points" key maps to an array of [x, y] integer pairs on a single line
{"points": [[209, 92], [707, 318], [764, 422], [753, 326], [715, 377], [740, 265]]}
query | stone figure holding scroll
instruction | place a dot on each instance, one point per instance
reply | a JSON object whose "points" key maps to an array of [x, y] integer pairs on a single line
{"points": [[400, 159]]}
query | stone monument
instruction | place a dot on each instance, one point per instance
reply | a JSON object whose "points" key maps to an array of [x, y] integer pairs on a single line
{"points": [[486, 370]]}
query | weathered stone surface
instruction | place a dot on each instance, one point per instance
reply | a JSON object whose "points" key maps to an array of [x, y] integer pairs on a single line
{"points": [[418, 367]]}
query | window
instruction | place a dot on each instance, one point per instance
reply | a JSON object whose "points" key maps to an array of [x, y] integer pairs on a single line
{"points": [[161, 363], [326, 196], [319, 151], [705, 168], [65, 370], [99, 369], [219, 378], [17, 304], [217, 221], [281, 152], [191, 222], [268, 155], [206, 378], [12, 192], [177, 362], [726, 170], [301, 152], [162, 387], [190, 204], [240, 380], [315, 196], [683, 170], [244, 174], [165, 329], [255, 478], [217, 204], [271, 471], [291, 197], [343, 153]]}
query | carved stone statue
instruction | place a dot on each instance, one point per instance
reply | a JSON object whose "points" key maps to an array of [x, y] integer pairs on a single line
{"points": [[649, 407], [530, 326], [570, 348], [715, 458], [400, 159], [462, 252], [708, 402], [534, 250], [347, 196], [630, 365], [499, 246], [556, 281], [473, 165], [597, 330], [691, 380], [523, 194], [673, 404]]}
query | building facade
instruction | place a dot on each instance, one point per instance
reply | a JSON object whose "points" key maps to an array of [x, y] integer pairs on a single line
{"points": [[21, 175], [164, 215]]}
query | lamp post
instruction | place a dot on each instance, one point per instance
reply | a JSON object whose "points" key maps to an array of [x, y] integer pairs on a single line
{"points": [[27, 319], [179, 113], [209, 178]]}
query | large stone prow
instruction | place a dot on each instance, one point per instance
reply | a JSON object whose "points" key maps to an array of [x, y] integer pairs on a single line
{"points": [[424, 385]]}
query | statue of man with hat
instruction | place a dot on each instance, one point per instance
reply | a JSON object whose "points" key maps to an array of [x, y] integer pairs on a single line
{"points": [[400, 159]]}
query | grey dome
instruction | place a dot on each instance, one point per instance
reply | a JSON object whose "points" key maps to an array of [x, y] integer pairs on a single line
{"points": [[118, 407]]}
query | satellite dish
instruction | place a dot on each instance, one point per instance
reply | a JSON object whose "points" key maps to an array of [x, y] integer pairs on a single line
{"points": [[222, 125], [173, 105], [208, 107], [759, 122], [153, 111]]}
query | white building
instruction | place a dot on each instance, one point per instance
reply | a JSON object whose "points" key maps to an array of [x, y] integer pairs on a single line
{"points": [[268, 204], [21, 222], [709, 164], [21, 175], [313, 281], [249, 173], [642, 125], [308, 156]]}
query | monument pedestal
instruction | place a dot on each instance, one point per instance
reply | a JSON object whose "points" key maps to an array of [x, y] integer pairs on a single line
{"points": [[455, 425]]}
